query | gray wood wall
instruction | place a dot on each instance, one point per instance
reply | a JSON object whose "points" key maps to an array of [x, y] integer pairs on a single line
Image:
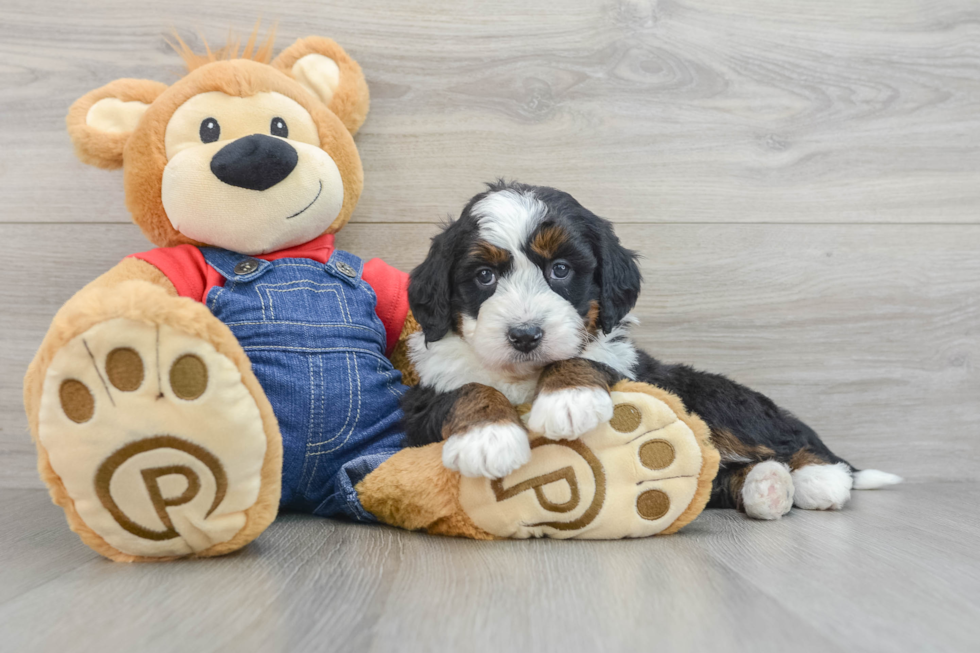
{"points": [[803, 179]]}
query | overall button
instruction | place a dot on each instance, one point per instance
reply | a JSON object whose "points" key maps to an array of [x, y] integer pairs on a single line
{"points": [[346, 270], [248, 266]]}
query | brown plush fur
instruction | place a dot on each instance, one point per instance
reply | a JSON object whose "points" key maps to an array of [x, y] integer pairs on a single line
{"points": [[413, 490], [252, 51], [400, 358], [128, 291], [350, 100], [93, 146]]}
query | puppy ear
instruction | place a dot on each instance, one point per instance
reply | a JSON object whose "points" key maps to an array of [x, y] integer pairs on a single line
{"points": [[326, 71], [430, 285], [101, 121], [617, 275]]}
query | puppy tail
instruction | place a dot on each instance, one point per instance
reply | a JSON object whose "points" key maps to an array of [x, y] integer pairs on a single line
{"points": [[872, 479]]}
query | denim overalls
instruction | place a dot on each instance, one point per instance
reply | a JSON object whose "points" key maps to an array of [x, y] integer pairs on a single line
{"points": [[318, 349]]}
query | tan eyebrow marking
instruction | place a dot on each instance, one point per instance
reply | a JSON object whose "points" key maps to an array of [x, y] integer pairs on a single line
{"points": [[490, 253], [547, 241]]}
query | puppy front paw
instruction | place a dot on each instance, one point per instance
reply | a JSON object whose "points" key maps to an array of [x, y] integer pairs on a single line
{"points": [[489, 450], [570, 412]]}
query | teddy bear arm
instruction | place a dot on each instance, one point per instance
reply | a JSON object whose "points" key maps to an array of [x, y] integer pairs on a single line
{"points": [[399, 355], [132, 269]]}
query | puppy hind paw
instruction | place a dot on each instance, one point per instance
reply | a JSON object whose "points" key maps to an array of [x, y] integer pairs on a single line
{"points": [[822, 487], [568, 413], [488, 450], [768, 491]]}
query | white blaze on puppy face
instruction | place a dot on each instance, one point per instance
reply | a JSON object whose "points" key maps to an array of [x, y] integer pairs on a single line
{"points": [[523, 297]]}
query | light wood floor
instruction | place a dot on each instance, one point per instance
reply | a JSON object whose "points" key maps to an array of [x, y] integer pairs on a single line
{"points": [[803, 180], [895, 571]]}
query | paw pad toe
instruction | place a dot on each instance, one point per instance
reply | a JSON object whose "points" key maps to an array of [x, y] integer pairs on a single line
{"points": [[652, 504], [189, 377], [76, 400], [626, 418], [124, 367]]}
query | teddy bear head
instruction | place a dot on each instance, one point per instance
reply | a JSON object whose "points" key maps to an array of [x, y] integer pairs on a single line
{"points": [[242, 153]]}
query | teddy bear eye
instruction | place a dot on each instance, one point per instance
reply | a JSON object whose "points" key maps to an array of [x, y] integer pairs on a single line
{"points": [[210, 130], [279, 128]]}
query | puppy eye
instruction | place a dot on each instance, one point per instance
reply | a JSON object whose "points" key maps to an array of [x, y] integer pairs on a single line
{"points": [[560, 270], [279, 128], [210, 130], [486, 277]]}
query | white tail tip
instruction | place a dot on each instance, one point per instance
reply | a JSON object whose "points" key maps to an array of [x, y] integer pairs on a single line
{"points": [[872, 479]]}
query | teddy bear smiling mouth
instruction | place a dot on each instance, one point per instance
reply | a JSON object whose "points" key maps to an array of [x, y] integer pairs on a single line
{"points": [[303, 210]]}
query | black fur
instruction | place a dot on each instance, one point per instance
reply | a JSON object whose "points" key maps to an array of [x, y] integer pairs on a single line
{"points": [[426, 410], [618, 275], [430, 287]]}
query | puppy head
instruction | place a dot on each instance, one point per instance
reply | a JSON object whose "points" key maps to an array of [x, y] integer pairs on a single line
{"points": [[526, 276]]}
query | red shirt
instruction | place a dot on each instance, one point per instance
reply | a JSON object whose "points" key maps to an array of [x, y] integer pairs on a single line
{"points": [[186, 268]]}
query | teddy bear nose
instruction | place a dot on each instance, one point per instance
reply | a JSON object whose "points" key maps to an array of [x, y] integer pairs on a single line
{"points": [[256, 162]]}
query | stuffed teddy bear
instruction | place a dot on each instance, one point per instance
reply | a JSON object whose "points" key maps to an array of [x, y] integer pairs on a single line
{"points": [[246, 365]]}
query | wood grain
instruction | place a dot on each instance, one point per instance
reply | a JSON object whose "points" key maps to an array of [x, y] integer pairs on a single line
{"points": [[803, 180], [895, 571], [845, 111]]}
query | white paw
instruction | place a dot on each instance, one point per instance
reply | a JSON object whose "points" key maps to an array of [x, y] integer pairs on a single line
{"points": [[490, 450], [822, 487], [569, 413], [768, 491]]}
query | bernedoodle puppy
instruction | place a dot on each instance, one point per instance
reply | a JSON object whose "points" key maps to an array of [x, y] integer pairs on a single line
{"points": [[527, 298]]}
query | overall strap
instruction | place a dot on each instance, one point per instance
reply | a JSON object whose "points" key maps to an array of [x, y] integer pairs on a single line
{"points": [[345, 266], [234, 266]]}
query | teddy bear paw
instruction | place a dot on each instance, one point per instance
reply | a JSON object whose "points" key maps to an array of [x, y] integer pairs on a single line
{"points": [[154, 436]]}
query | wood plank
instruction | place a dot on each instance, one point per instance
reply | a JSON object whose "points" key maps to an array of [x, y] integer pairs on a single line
{"points": [[648, 112], [895, 571], [867, 332]]}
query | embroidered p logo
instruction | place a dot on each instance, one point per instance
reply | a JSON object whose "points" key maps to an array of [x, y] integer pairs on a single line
{"points": [[151, 478], [596, 479]]}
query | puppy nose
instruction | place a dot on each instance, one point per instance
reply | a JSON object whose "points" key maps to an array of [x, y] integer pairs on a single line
{"points": [[255, 162], [525, 338]]}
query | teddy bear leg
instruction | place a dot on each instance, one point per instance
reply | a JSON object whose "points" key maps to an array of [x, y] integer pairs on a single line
{"points": [[648, 471], [152, 432]]}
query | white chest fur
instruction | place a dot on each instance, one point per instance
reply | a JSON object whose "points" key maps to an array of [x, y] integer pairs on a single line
{"points": [[451, 363]]}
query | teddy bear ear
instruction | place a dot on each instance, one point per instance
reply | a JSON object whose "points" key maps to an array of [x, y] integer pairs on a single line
{"points": [[101, 121], [325, 70]]}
